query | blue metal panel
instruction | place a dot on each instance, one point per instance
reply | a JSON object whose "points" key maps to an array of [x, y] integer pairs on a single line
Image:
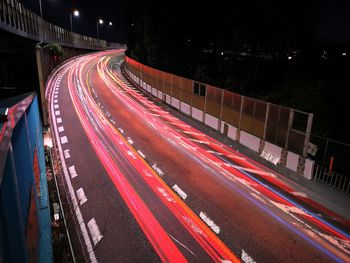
{"points": [[12, 231], [23, 163]]}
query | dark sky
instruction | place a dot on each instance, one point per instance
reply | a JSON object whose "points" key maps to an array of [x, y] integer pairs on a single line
{"points": [[331, 17], [57, 12]]}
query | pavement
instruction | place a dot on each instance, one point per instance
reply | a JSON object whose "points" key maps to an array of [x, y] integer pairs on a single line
{"points": [[249, 217]]}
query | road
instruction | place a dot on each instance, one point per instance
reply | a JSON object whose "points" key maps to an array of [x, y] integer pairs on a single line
{"points": [[147, 186]]}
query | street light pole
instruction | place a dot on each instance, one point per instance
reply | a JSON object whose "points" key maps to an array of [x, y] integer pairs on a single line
{"points": [[42, 20], [100, 21], [75, 13]]}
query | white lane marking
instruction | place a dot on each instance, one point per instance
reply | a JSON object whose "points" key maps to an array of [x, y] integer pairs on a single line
{"points": [[81, 196], [246, 258], [209, 222], [75, 205], [66, 154], [64, 139], [94, 231], [157, 169], [59, 120], [210, 151], [141, 154], [56, 106], [57, 112], [72, 171], [120, 130], [60, 129], [164, 193], [55, 96], [177, 241], [130, 153], [180, 192], [55, 101], [199, 141], [301, 194], [130, 140]]}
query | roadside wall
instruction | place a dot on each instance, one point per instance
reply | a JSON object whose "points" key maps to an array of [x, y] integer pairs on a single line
{"points": [[278, 134]]}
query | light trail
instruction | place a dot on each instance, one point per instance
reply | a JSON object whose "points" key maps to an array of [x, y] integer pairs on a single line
{"points": [[146, 111], [94, 122]]}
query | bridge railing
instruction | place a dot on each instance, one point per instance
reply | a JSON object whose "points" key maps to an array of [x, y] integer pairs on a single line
{"points": [[17, 19]]}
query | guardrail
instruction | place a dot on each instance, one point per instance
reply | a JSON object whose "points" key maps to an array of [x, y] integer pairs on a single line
{"points": [[17, 19], [332, 178], [279, 134]]}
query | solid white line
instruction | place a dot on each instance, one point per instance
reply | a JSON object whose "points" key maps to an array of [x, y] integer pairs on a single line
{"points": [[60, 129], [209, 222], [94, 231], [182, 245], [246, 258], [81, 196], [78, 214], [59, 120], [64, 139]]}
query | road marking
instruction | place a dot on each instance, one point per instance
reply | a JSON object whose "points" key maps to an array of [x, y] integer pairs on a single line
{"points": [[180, 192], [57, 112], [246, 258], [141, 154], [157, 169], [66, 154], [130, 140], [301, 194], [120, 130], [56, 106], [94, 231], [177, 241], [81, 196], [199, 141], [55, 101], [59, 120], [130, 153], [77, 210], [209, 222], [72, 171], [64, 139], [165, 194], [60, 129]]}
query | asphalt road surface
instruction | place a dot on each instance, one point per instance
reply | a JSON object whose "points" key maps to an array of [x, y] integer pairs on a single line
{"points": [[147, 187]]}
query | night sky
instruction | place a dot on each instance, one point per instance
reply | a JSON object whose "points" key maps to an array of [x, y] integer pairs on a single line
{"points": [[330, 17]]}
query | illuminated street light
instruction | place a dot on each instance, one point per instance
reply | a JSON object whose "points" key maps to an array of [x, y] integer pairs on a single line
{"points": [[110, 23], [74, 13], [99, 21]]}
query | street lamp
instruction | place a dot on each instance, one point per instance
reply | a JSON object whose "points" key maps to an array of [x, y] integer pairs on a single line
{"points": [[110, 24], [100, 21], [76, 14]]}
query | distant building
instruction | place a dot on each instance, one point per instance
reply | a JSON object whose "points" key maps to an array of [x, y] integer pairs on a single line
{"points": [[25, 228]]}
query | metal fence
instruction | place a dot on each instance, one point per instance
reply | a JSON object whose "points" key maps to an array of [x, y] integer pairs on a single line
{"points": [[285, 127], [328, 149], [332, 178], [15, 18]]}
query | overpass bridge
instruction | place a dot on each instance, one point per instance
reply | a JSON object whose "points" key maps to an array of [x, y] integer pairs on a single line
{"points": [[25, 56]]}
